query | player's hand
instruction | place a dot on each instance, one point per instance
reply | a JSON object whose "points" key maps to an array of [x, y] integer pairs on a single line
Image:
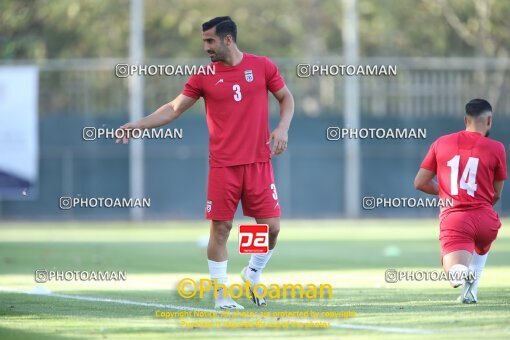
{"points": [[127, 127], [279, 136]]}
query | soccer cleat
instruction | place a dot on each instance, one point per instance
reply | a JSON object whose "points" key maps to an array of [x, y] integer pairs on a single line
{"points": [[259, 301], [226, 303], [467, 296]]}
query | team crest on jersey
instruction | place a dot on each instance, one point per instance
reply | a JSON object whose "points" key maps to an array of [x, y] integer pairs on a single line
{"points": [[208, 206], [248, 75]]}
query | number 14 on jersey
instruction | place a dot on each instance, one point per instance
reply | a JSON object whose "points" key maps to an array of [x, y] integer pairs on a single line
{"points": [[468, 179]]}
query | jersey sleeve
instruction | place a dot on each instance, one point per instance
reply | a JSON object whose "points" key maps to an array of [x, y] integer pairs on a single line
{"points": [[274, 80], [500, 173], [193, 87], [430, 161]]}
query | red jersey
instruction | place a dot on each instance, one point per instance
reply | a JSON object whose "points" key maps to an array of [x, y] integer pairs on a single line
{"points": [[466, 164], [236, 104]]}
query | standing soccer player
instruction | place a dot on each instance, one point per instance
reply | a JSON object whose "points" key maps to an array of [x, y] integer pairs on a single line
{"points": [[236, 102], [471, 170]]}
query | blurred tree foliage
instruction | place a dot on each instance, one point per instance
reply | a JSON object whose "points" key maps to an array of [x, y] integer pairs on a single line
{"points": [[39, 29], [63, 29]]}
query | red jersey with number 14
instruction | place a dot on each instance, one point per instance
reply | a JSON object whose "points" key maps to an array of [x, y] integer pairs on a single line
{"points": [[236, 104], [466, 164]]}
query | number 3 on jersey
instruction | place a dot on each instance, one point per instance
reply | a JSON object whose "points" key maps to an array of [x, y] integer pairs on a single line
{"points": [[237, 92], [468, 179], [273, 188]]}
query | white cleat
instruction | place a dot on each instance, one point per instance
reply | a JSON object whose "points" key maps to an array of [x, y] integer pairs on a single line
{"points": [[259, 301], [226, 303], [467, 296], [457, 275]]}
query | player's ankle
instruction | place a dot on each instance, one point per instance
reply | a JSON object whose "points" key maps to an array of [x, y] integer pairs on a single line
{"points": [[253, 274]]}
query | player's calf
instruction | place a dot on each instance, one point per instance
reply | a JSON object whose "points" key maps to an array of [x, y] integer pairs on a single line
{"points": [[217, 246], [455, 265]]}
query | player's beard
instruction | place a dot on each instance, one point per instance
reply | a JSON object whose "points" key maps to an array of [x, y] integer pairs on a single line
{"points": [[219, 55], [487, 133], [216, 57]]}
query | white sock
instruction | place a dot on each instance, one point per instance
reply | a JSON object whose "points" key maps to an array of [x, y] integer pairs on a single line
{"points": [[218, 270], [257, 264], [477, 264]]}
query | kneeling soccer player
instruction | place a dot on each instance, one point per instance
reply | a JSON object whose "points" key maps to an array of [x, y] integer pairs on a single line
{"points": [[471, 170]]}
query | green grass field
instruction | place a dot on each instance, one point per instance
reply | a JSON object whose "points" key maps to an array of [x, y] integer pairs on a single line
{"points": [[352, 256]]}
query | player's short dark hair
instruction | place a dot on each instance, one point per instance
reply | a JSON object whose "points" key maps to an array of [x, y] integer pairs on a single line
{"points": [[224, 26], [476, 107]]}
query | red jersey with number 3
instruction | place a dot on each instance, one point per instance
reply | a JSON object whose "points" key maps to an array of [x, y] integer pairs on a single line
{"points": [[236, 104], [466, 164]]}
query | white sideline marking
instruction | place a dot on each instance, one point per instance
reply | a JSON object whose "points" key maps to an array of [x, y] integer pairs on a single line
{"points": [[159, 305], [96, 299]]}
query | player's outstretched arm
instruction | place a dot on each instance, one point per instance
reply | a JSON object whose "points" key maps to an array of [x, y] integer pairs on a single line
{"points": [[498, 189], [424, 181], [280, 136], [162, 116]]}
